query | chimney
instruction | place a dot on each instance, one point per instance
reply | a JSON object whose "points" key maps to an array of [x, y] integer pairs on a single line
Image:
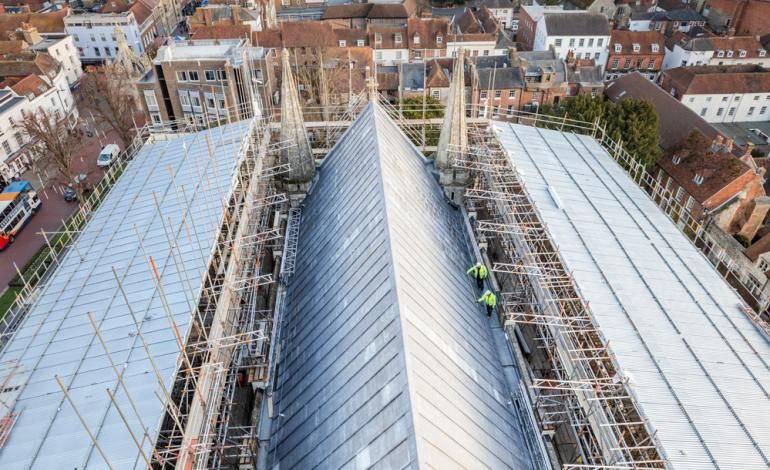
{"points": [[720, 139], [729, 145], [31, 36]]}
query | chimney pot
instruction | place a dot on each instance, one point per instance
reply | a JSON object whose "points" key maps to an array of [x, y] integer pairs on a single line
{"points": [[720, 139], [729, 145]]}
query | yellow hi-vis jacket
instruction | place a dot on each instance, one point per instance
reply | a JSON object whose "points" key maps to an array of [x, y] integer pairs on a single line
{"points": [[489, 298], [478, 271]]}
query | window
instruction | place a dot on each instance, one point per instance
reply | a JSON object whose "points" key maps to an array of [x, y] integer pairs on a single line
{"points": [[737, 98], [751, 111], [97, 52], [703, 111], [211, 103], [155, 118], [416, 39], [597, 55], [510, 110], [690, 204], [378, 38], [436, 94], [742, 53], [756, 98], [600, 42], [615, 63], [762, 53], [684, 63], [720, 111], [418, 54], [93, 38], [729, 53], [572, 42], [378, 55], [627, 64], [651, 63], [107, 52], [496, 110], [763, 110], [210, 75], [149, 98], [679, 194], [195, 100], [591, 42], [618, 47], [7, 147], [439, 39], [668, 184], [655, 48], [498, 94], [397, 38], [708, 99], [486, 52], [720, 53], [258, 76], [637, 47], [101, 36], [581, 42], [11, 121], [399, 54], [360, 43], [724, 99], [511, 93], [75, 37], [731, 112], [343, 43], [184, 98], [192, 75], [483, 94], [594, 92], [181, 76], [19, 139], [557, 43]]}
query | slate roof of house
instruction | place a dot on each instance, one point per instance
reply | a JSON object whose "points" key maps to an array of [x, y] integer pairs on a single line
{"points": [[389, 362], [577, 24]]}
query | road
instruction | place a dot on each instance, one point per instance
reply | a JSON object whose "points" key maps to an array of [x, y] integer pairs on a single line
{"points": [[53, 211]]}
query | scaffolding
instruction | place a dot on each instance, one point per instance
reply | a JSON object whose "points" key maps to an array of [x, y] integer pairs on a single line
{"points": [[578, 392]]}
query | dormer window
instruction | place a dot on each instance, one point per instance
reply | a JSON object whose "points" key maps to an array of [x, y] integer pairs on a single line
{"points": [[742, 53], [637, 48], [618, 47], [439, 39], [343, 43], [761, 52], [720, 53], [360, 43], [416, 39], [397, 38], [729, 53], [378, 39], [655, 48], [676, 160], [698, 179]]}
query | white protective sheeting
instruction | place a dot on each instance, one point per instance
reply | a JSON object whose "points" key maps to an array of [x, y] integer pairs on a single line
{"points": [[696, 364], [170, 200]]}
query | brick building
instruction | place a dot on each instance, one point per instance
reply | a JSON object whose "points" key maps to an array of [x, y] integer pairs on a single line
{"points": [[640, 51], [743, 17]]}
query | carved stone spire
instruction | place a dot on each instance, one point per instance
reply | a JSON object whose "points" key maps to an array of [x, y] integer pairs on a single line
{"points": [[453, 136], [297, 154], [126, 59]]}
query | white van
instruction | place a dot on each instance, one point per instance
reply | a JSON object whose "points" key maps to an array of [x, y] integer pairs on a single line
{"points": [[108, 155]]}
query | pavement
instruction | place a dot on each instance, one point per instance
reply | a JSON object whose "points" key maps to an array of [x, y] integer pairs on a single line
{"points": [[54, 209]]}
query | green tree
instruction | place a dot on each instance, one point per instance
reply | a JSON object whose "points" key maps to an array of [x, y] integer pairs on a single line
{"points": [[633, 123], [412, 108]]}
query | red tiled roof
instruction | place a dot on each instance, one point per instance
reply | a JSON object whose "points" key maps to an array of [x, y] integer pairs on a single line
{"points": [[267, 38], [427, 29], [220, 32], [696, 157], [644, 39], [11, 47], [307, 34], [143, 9], [387, 36], [30, 84], [738, 44], [44, 22], [716, 80]]}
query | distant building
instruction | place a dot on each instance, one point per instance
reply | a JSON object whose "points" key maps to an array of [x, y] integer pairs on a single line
{"points": [[503, 10], [666, 22], [682, 51], [584, 78], [574, 35], [200, 82], [522, 82], [641, 51], [479, 33], [29, 82], [389, 44], [361, 15], [743, 17], [721, 94], [224, 21], [427, 38], [60, 46]]}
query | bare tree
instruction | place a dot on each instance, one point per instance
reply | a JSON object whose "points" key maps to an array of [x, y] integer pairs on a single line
{"points": [[110, 96], [54, 147]]}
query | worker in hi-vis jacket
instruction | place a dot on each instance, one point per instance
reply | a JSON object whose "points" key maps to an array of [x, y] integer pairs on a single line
{"points": [[479, 272]]}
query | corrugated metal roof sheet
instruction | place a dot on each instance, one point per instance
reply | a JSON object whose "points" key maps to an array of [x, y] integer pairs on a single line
{"points": [[698, 367], [56, 337], [388, 361]]}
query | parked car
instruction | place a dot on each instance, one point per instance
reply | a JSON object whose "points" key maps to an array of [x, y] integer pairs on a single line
{"points": [[761, 135], [108, 155], [69, 192]]}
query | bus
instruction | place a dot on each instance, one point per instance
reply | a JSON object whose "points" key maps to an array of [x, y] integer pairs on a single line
{"points": [[18, 202]]}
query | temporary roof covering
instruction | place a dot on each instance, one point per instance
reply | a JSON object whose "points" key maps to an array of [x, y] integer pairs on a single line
{"points": [[388, 361], [696, 364], [166, 205]]}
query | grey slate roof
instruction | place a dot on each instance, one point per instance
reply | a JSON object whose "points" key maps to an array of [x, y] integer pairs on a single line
{"points": [[577, 24], [501, 79], [413, 76], [388, 362]]}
